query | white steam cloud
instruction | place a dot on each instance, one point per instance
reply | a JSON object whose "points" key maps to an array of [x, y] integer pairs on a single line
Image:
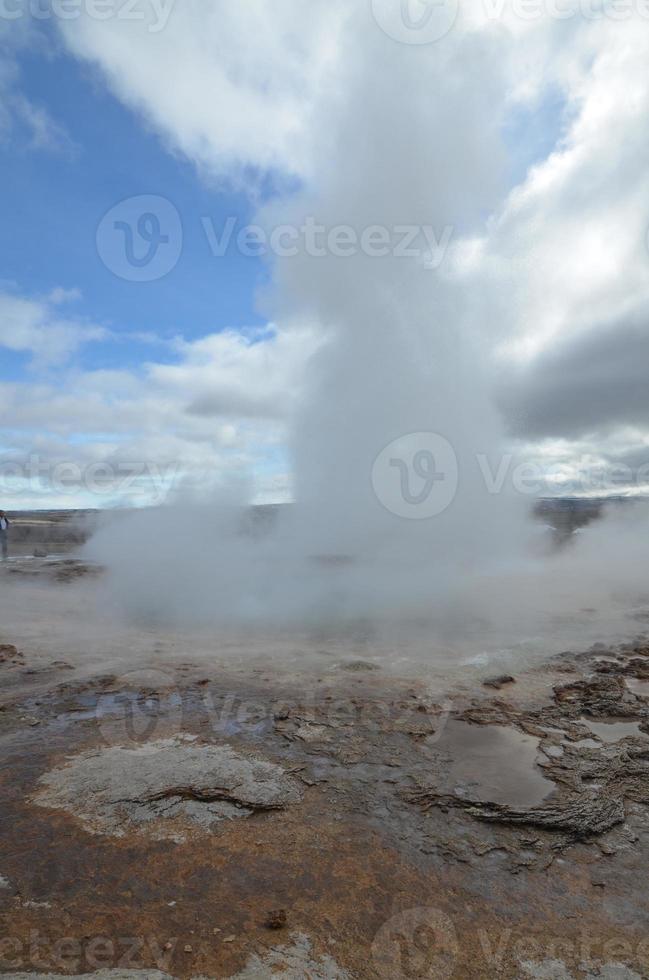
{"points": [[385, 135]]}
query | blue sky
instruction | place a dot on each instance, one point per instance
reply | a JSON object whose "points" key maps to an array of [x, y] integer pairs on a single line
{"points": [[53, 199]]}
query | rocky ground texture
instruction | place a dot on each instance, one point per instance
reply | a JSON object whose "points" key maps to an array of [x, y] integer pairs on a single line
{"points": [[197, 822]]}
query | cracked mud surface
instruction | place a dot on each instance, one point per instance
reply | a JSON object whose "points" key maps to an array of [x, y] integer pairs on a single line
{"points": [[204, 821]]}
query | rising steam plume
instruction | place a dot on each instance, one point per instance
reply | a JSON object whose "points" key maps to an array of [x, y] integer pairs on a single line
{"points": [[401, 136]]}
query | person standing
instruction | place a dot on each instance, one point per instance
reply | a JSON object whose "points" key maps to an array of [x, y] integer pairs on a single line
{"points": [[4, 535]]}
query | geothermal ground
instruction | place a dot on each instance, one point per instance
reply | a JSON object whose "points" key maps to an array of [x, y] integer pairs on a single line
{"points": [[291, 804]]}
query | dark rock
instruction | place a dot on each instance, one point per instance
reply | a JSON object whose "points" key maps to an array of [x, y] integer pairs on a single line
{"points": [[497, 682], [276, 920], [8, 652], [580, 815], [601, 696]]}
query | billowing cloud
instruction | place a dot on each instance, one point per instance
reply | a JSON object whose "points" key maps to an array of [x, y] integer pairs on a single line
{"points": [[254, 374], [37, 327], [563, 266], [104, 437], [245, 77], [586, 384]]}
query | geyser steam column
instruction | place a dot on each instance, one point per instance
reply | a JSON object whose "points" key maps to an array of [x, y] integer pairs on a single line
{"points": [[406, 161], [400, 164]]}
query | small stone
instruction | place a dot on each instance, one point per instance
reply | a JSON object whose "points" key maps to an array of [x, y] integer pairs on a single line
{"points": [[188, 948], [276, 919], [497, 682], [168, 946], [229, 939]]}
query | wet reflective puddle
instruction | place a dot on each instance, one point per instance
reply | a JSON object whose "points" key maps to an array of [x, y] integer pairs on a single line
{"points": [[493, 763], [637, 686], [613, 731]]}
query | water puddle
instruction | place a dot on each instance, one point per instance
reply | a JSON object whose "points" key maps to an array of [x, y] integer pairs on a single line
{"points": [[586, 743], [494, 764], [613, 731], [638, 687]]}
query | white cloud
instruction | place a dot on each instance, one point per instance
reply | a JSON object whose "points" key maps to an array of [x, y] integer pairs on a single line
{"points": [[565, 263], [22, 120], [252, 374], [60, 295], [244, 82], [35, 327], [43, 132], [218, 413]]}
